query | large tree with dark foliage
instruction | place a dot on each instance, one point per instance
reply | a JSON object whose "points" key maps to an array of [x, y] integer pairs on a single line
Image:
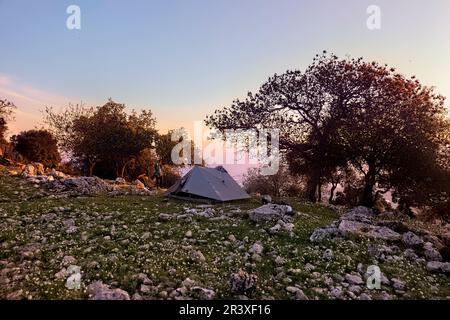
{"points": [[106, 136], [347, 112], [164, 146], [38, 146]]}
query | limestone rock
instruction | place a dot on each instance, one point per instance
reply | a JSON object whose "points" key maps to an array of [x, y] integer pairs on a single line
{"points": [[99, 291], [243, 283], [270, 212]]}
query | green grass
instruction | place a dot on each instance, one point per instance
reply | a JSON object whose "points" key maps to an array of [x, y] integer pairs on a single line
{"points": [[111, 229]]}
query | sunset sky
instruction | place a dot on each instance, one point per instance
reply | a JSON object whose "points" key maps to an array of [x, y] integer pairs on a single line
{"points": [[183, 59]]}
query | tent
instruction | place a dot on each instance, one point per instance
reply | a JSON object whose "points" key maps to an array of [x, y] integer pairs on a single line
{"points": [[202, 183]]}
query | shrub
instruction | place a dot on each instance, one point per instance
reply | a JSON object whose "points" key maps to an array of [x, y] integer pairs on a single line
{"points": [[37, 146], [279, 184]]}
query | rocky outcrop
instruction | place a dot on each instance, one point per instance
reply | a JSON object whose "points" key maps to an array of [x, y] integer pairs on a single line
{"points": [[33, 169], [437, 266], [328, 233], [88, 186], [81, 186], [271, 212], [65, 185], [416, 243], [358, 221], [365, 229]]}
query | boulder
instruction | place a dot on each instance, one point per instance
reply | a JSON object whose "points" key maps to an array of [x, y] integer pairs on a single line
{"points": [[198, 257], [286, 226], [322, 234], [431, 254], [434, 240], [256, 248], [39, 167], [203, 293], [297, 292], [353, 279], [438, 266], [120, 180], [164, 217], [81, 186], [275, 229], [434, 266], [410, 255], [371, 231], [188, 283], [327, 254], [33, 169], [360, 214], [99, 291], [138, 184], [397, 226], [56, 174], [243, 283], [28, 171], [398, 284], [270, 212], [281, 226], [410, 239]]}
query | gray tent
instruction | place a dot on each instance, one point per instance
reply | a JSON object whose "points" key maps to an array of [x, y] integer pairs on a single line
{"points": [[202, 183]]}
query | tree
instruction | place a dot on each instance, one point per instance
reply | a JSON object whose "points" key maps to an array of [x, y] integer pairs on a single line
{"points": [[164, 146], [308, 108], [106, 134], [396, 129], [279, 184], [141, 164], [37, 146], [348, 112], [6, 113], [338, 177], [62, 123]]}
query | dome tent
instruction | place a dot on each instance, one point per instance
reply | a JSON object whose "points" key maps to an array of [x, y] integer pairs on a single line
{"points": [[202, 183]]}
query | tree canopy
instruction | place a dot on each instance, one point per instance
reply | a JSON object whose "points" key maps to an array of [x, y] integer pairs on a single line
{"points": [[37, 146], [106, 134], [342, 113]]}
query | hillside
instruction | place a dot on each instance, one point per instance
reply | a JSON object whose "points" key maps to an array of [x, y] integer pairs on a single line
{"points": [[148, 247]]}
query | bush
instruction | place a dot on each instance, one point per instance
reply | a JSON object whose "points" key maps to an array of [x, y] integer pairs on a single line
{"points": [[69, 168], [37, 146], [279, 184], [171, 175]]}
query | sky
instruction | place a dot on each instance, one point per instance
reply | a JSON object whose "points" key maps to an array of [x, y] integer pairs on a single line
{"points": [[185, 58]]}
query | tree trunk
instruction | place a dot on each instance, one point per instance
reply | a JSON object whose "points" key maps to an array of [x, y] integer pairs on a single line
{"points": [[333, 188], [313, 184], [369, 182], [124, 166], [311, 188], [117, 170], [91, 167], [319, 192]]}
